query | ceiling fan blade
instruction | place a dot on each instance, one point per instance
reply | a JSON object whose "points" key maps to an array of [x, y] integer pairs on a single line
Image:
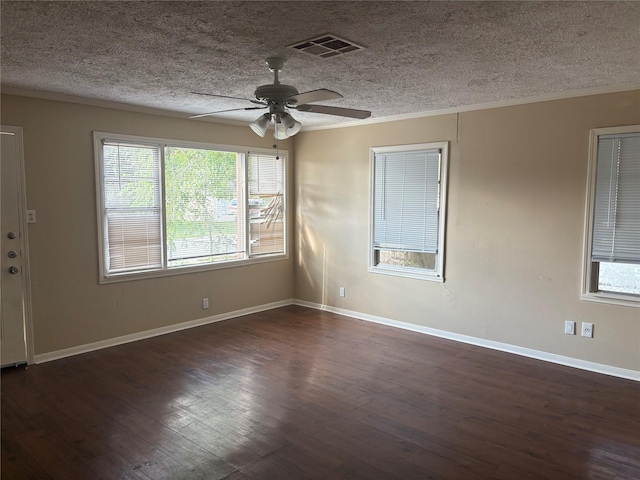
{"points": [[342, 112], [319, 95], [229, 110], [227, 96]]}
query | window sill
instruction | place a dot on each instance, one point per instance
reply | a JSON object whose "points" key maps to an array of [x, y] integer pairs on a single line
{"points": [[429, 276], [128, 277], [612, 299]]}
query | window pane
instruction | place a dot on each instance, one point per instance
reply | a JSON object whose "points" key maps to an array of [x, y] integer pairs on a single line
{"points": [[131, 176], [616, 220], [133, 241], [131, 196], [266, 207], [406, 201], [201, 186], [396, 258], [619, 277]]}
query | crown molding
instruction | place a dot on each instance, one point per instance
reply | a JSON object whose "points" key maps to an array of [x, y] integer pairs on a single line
{"points": [[393, 118], [486, 106], [95, 102]]}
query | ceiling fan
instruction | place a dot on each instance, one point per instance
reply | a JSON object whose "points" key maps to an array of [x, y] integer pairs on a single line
{"points": [[279, 98]]}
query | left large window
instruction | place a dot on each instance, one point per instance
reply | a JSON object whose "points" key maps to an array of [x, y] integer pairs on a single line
{"points": [[167, 207]]}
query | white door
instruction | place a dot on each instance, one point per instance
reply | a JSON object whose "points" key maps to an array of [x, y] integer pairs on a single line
{"points": [[12, 281]]}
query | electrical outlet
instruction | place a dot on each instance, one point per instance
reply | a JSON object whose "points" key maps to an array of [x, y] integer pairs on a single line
{"points": [[569, 327], [205, 303], [342, 291], [587, 329], [31, 216]]}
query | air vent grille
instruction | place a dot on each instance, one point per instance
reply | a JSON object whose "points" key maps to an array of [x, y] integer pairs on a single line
{"points": [[326, 46]]}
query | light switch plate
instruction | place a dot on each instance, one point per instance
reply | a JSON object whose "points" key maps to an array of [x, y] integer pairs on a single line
{"points": [[31, 216], [569, 327]]}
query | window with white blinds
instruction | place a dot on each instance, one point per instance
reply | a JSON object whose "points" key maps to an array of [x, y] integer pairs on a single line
{"points": [[616, 226], [613, 266], [266, 204], [131, 198], [408, 210], [168, 207]]}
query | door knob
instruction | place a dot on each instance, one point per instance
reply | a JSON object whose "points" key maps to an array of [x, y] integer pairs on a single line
{"points": [[12, 235], [13, 270], [12, 254]]}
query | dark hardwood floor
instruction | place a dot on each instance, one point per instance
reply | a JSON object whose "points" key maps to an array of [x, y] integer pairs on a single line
{"points": [[296, 393]]}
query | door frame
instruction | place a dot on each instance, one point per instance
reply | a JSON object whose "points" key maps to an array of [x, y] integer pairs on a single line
{"points": [[24, 240]]}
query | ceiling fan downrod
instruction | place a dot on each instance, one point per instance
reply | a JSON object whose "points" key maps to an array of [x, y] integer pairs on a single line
{"points": [[275, 64]]}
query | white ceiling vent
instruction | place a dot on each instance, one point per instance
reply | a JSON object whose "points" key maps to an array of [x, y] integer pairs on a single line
{"points": [[326, 46]]}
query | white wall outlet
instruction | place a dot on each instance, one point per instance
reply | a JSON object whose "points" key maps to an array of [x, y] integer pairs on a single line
{"points": [[342, 291], [569, 327], [31, 216], [205, 303], [587, 329]]}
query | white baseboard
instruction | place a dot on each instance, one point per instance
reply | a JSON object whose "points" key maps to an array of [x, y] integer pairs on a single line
{"points": [[504, 347], [89, 347]]}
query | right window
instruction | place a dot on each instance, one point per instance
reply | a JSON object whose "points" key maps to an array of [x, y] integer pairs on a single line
{"points": [[612, 253], [408, 197]]}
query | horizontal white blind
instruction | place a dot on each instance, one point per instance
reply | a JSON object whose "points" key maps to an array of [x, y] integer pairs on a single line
{"points": [[266, 204], [406, 188], [133, 241], [131, 201], [616, 226]]}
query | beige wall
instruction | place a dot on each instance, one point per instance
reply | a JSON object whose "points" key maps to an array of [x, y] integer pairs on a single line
{"points": [[70, 308], [514, 235], [514, 228]]}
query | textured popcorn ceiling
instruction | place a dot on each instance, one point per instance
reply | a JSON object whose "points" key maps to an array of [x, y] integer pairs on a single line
{"points": [[419, 56]]}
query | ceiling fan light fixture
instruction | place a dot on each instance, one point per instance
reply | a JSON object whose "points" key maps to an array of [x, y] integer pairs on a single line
{"points": [[280, 132], [261, 124], [278, 98], [291, 125]]}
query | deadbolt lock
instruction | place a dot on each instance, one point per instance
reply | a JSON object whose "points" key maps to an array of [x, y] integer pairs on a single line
{"points": [[12, 235], [12, 254], [13, 270]]}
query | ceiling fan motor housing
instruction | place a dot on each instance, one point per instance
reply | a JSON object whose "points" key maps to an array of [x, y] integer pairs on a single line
{"points": [[275, 92]]}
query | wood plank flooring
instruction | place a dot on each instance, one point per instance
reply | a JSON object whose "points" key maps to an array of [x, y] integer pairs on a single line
{"points": [[296, 393]]}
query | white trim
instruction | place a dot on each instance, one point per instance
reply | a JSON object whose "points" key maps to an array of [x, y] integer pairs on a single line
{"points": [[169, 272], [112, 342], [60, 97], [436, 275], [173, 142], [428, 275], [503, 347], [165, 271], [24, 240], [586, 293], [486, 106], [26, 263], [95, 102], [612, 298]]}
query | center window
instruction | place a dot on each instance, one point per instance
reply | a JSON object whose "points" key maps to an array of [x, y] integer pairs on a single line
{"points": [[167, 207]]}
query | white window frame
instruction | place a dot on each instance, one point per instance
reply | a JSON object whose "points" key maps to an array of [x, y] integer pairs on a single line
{"points": [[164, 270], [588, 273], [436, 275]]}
